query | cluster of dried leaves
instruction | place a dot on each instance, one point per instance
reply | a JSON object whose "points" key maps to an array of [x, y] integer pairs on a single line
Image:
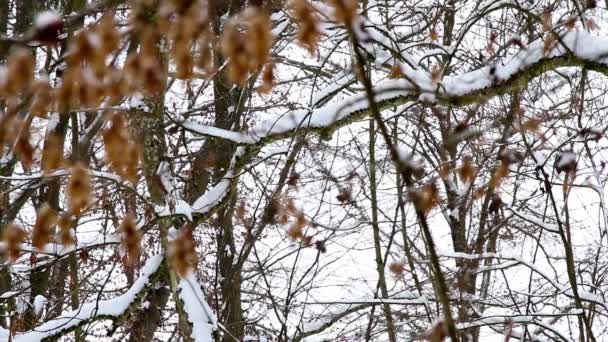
{"points": [[13, 236], [186, 23], [122, 152], [425, 198], [91, 78], [246, 42], [78, 190], [282, 210], [42, 233], [183, 252], [307, 19], [130, 239]]}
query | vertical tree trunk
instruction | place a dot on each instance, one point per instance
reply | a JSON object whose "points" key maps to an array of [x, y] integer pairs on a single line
{"points": [[39, 276], [60, 273], [25, 11], [218, 153], [6, 169], [150, 134], [390, 325]]}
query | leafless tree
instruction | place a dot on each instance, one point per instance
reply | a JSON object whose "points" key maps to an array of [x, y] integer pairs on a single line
{"points": [[270, 170]]}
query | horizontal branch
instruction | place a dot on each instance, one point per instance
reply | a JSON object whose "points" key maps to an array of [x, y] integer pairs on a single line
{"points": [[95, 310], [58, 251], [584, 295], [576, 49], [531, 319], [200, 315], [375, 301]]}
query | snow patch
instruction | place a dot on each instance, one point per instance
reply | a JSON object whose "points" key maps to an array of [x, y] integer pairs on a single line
{"points": [[46, 18], [199, 313], [112, 308], [39, 302]]}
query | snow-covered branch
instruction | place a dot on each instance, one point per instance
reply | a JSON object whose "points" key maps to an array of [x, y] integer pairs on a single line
{"points": [[95, 310], [199, 313]]}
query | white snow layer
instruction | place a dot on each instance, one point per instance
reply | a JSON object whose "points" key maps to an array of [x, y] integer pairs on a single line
{"points": [[419, 82], [199, 313], [45, 19], [39, 302], [107, 308]]}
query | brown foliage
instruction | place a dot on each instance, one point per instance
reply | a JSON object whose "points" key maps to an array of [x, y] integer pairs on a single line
{"points": [[437, 333], [23, 148], [78, 190], [43, 228], [308, 24], [108, 34], [43, 97], [296, 230], [130, 239], [467, 171], [66, 235], [122, 153], [396, 72], [190, 21], [425, 198], [13, 236], [549, 43], [397, 268], [345, 10], [183, 252], [52, 153], [436, 74], [246, 41], [547, 21], [20, 72], [501, 172], [267, 79]]}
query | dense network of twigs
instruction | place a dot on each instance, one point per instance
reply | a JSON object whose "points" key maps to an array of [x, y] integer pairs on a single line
{"points": [[345, 170]]}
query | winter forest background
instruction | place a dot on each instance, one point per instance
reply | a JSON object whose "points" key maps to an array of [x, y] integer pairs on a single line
{"points": [[274, 170]]}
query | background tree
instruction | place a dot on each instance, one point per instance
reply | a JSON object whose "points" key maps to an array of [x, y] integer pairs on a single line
{"points": [[303, 170]]}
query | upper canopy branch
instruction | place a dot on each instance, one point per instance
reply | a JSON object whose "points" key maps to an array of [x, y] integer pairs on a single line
{"points": [[576, 49]]}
